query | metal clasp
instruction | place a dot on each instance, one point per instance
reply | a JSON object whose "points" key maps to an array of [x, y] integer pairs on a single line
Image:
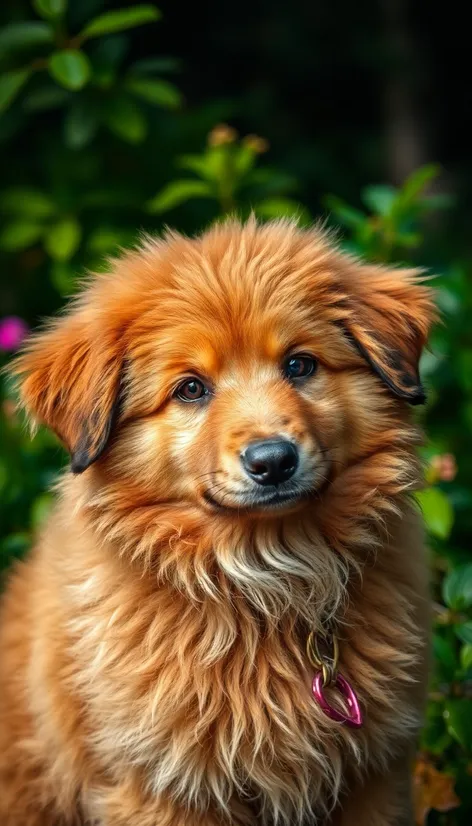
{"points": [[324, 660]]}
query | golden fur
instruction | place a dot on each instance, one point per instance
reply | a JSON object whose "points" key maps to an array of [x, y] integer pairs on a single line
{"points": [[152, 662]]}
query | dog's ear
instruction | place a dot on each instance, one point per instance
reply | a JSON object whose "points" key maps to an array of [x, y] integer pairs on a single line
{"points": [[390, 317], [70, 380]]}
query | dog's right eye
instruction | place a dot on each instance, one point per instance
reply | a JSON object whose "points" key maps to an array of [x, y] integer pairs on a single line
{"points": [[191, 390], [299, 366]]}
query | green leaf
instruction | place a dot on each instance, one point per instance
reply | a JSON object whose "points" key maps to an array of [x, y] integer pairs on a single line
{"points": [[244, 158], [120, 19], [80, 124], [445, 657], [458, 717], [417, 181], [466, 657], [19, 235], [63, 239], [410, 240], [50, 9], [177, 193], [437, 511], [26, 201], [126, 120], [159, 92], [107, 240], [464, 632], [197, 164], [218, 161], [457, 588], [63, 278], [380, 198], [434, 736], [41, 509], [347, 215], [18, 37], [10, 85], [448, 301], [70, 68]]}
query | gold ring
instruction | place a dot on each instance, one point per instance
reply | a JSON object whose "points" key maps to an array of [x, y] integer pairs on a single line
{"points": [[317, 659]]}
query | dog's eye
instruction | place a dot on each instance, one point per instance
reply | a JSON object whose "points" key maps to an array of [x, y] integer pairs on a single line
{"points": [[299, 367], [191, 390]]}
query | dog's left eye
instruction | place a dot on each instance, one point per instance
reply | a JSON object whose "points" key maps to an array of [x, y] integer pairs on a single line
{"points": [[299, 366], [191, 390]]}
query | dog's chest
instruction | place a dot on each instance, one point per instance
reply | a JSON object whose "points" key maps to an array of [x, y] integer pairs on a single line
{"points": [[248, 723], [209, 706]]}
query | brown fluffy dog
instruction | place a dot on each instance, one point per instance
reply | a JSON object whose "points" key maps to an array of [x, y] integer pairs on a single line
{"points": [[152, 650]]}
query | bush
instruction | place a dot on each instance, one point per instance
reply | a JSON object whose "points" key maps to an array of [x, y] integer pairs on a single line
{"points": [[97, 143]]}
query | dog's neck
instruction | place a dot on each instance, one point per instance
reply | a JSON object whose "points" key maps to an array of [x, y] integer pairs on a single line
{"points": [[277, 568], [301, 565]]}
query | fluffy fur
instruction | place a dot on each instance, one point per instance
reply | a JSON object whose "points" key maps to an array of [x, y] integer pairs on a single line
{"points": [[152, 646]]}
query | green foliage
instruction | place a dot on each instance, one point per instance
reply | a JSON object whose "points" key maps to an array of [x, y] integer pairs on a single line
{"points": [[392, 225], [70, 68], [437, 511], [96, 147], [457, 588], [226, 173], [62, 239], [50, 9], [159, 92], [25, 36], [120, 20], [10, 85], [394, 229]]}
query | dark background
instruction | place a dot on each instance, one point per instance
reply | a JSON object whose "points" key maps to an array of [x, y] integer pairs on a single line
{"points": [[349, 93]]}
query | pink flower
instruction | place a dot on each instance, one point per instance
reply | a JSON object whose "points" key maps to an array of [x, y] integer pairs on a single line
{"points": [[12, 332], [444, 467]]}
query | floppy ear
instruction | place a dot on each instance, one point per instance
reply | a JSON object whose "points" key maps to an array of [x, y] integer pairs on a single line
{"points": [[70, 380], [389, 321]]}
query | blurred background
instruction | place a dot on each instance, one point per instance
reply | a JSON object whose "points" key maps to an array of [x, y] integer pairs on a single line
{"points": [[121, 117]]}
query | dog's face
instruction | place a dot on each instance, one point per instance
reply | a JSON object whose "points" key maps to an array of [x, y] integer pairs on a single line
{"points": [[241, 410], [240, 371]]}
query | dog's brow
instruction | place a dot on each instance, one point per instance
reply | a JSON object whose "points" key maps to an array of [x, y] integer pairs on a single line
{"points": [[272, 345], [204, 359]]}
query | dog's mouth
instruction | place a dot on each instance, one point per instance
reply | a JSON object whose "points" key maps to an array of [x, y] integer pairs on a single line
{"points": [[223, 494], [269, 501]]}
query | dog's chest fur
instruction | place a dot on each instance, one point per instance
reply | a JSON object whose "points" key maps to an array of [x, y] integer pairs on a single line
{"points": [[211, 702]]}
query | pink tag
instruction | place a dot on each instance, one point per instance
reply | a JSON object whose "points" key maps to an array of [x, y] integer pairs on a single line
{"points": [[354, 718]]}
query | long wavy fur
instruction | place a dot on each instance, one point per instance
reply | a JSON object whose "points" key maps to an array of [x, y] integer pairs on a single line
{"points": [[153, 670]]}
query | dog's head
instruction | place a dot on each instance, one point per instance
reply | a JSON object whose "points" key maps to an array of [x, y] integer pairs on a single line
{"points": [[241, 370]]}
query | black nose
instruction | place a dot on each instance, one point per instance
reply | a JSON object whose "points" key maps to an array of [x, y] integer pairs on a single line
{"points": [[270, 462]]}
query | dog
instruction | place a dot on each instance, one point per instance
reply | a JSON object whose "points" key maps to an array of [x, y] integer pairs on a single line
{"points": [[225, 619]]}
